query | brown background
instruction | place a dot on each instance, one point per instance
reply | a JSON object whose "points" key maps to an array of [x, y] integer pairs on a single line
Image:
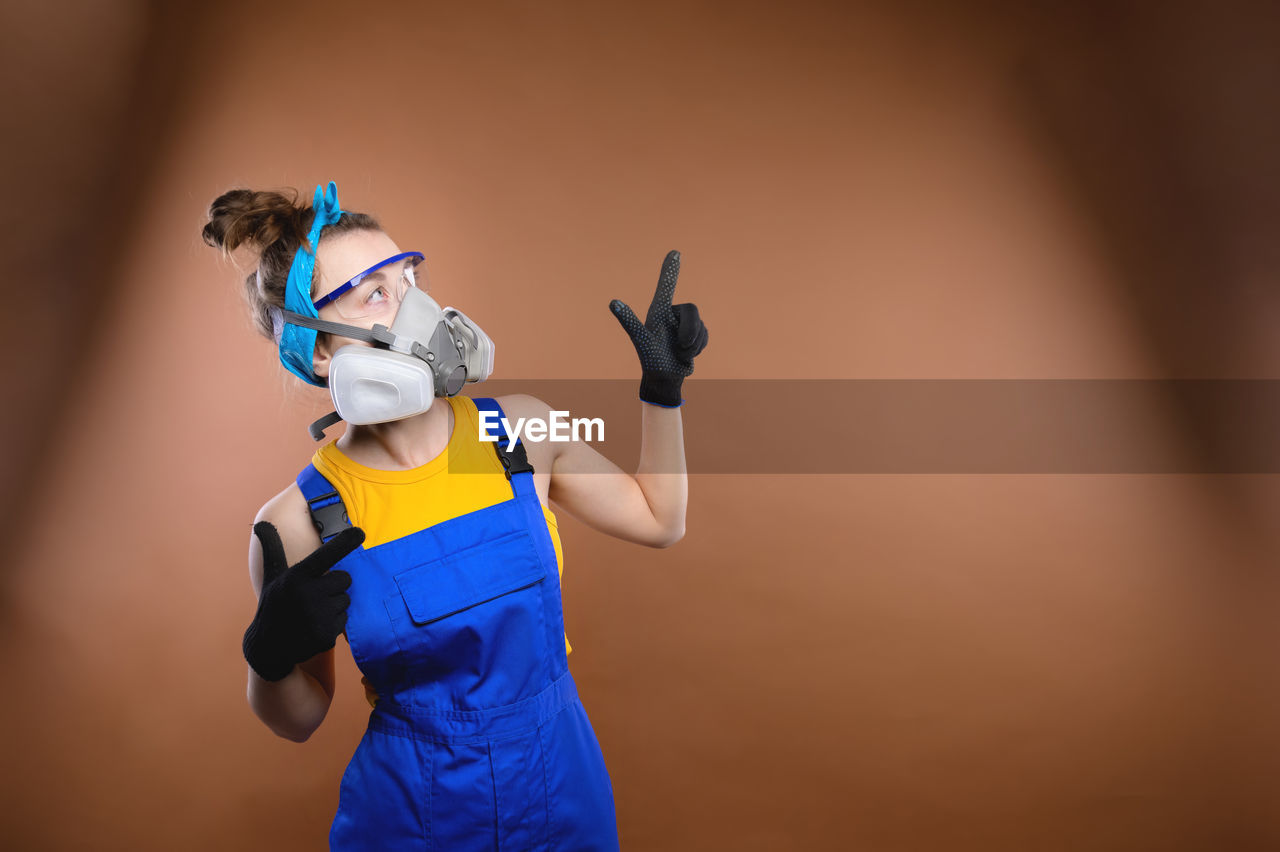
{"points": [[901, 190]]}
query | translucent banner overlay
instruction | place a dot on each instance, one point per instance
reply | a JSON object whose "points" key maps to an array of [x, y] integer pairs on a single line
{"points": [[815, 426]]}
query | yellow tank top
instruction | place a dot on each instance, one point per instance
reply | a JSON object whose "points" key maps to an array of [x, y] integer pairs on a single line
{"points": [[390, 504]]}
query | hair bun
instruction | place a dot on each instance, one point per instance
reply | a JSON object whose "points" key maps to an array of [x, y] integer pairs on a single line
{"points": [[257, 219]]}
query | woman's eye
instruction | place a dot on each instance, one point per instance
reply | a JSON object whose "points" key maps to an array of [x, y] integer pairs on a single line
{"points": [[377, 294]]}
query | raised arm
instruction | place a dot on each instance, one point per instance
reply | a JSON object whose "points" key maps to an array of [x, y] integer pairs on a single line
{"points": [[649, 507]]}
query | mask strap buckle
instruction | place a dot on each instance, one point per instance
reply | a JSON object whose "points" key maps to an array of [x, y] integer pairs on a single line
{"points": [[317, 428], [397, 342]]}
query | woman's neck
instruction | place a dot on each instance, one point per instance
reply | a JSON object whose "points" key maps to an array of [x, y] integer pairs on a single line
{"points": [[401, 444]]}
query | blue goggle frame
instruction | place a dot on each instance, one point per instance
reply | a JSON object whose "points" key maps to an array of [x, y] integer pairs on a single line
{"points": [[355, 282]]}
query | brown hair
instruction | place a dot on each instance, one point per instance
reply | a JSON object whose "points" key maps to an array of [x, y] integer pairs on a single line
{"points": [[274, 227]]}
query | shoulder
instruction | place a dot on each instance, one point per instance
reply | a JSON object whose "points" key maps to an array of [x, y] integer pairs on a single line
{"points": [[522, 405], [287, 510], [289, 514]]}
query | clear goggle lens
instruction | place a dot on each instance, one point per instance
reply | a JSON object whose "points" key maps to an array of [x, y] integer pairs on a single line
{"points": [[377, 292]]}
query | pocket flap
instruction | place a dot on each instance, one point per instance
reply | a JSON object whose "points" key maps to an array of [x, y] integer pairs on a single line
{"points": [[470, 577]]}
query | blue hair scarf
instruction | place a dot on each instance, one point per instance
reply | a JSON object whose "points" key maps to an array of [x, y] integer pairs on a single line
{"points": [[298, 344]]}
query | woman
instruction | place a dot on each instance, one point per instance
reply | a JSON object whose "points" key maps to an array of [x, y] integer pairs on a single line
{"points": [[430, 549]]}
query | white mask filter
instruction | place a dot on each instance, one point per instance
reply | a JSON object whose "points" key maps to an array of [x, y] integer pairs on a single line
{"points": [[377, 386]]}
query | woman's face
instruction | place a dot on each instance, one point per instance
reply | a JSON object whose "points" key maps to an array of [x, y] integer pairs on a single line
{"points": [[338, 260]]}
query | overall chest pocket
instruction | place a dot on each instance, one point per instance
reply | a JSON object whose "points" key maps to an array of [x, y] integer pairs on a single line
{"points": [[473, 615]]}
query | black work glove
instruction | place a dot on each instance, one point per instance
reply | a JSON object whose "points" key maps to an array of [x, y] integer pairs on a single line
{"points": [[667, 341], [301, 609]]}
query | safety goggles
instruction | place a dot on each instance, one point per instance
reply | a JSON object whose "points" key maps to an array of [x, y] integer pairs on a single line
{"points": [[377, 291]]}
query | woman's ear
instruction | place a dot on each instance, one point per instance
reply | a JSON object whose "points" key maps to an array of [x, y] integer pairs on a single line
{"points": [[320, 360]]}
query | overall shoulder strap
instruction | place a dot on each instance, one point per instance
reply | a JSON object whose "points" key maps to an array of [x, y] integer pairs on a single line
{"points": [[513, 458], [328, 512]]}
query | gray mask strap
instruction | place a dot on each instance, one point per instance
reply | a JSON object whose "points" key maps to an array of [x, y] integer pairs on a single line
{"points": [[355, 332]]}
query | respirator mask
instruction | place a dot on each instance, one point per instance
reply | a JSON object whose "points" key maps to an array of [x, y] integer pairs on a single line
{"points": [[426, 352]]}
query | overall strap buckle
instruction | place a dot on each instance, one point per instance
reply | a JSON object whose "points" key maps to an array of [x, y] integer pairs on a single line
{"points": [[515, 461], [328, 515]]}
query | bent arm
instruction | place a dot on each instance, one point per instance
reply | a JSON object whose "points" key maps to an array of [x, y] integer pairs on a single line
{"points": [[294, 706], [647, 508]]}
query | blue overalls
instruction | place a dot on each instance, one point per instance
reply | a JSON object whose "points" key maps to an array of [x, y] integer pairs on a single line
{"points": [[478, 740]]}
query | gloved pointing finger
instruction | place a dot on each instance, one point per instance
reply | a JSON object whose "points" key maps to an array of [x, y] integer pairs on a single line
{"points": [[302, 608], [668, 340]]}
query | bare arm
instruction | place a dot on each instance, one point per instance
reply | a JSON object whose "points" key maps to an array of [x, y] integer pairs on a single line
{"points": [[650, 507], [647, 508], [293, 707]]}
